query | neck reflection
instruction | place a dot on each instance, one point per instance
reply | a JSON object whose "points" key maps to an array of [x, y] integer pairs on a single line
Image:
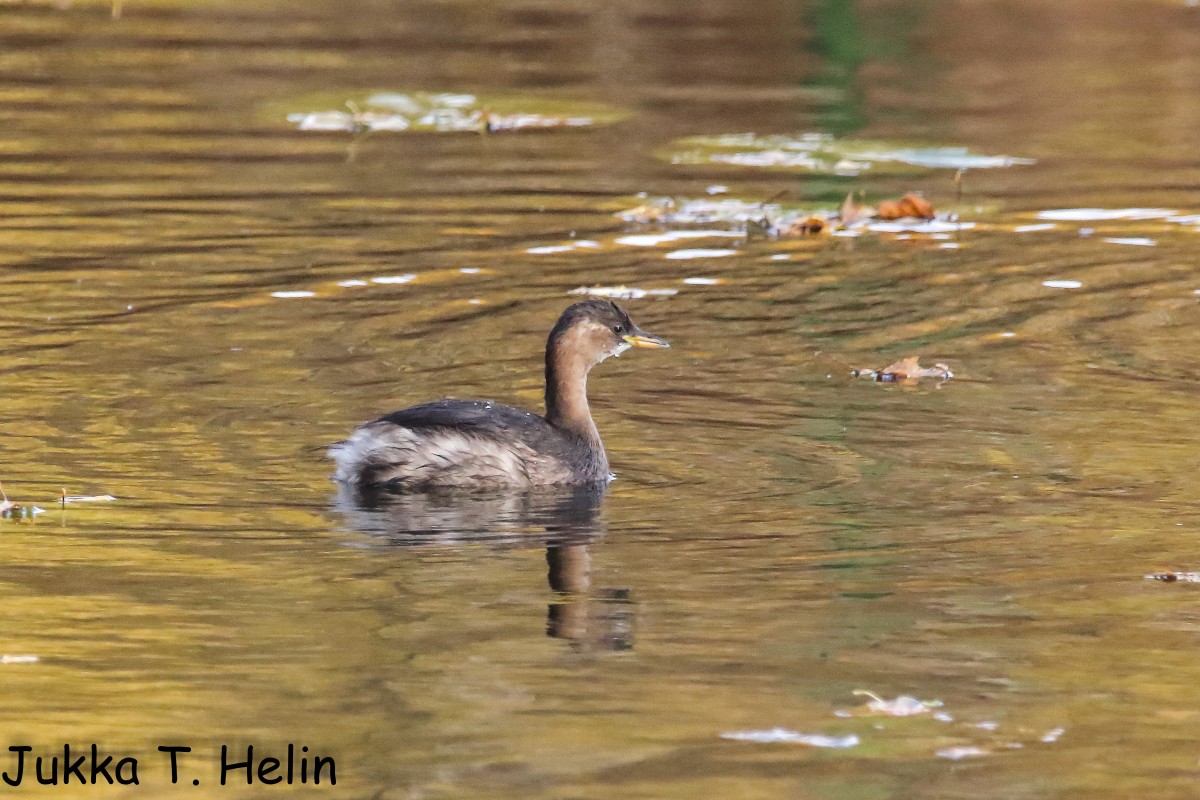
{"points": [[565, 520]]}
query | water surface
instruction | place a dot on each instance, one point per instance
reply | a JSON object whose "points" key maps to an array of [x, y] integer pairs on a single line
{"points": [[779, 534]]}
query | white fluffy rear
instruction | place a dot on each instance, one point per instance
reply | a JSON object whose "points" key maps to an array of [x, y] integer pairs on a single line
{"points": [[381, 453]]}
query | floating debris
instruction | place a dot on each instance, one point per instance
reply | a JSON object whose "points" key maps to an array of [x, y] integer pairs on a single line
{"points": [[911, 213], [811, 225], [728, 211], [902, 706], [443, 112], [647, 213], [852, 212], [903, 370], [782, 735], [623, 292], [494, 123], [961, 752], [16, 511], [1172, 577], [702, 281], [349, 121], [293, 295], [1062, 284], [1052, 736], [818, 152], [88, 498], [910, 205], [388, 280]]}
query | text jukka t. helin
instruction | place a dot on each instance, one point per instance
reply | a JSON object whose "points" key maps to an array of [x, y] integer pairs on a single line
{"points": [[91, 765]]}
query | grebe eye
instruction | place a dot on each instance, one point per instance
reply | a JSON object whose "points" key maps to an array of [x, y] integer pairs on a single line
{"points": [[617, 329]]}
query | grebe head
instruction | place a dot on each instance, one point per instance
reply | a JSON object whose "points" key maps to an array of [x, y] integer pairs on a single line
{"points": [[595, 329]]}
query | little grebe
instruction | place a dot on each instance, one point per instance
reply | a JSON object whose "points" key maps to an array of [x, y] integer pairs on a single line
{"points": [[481, 444]]}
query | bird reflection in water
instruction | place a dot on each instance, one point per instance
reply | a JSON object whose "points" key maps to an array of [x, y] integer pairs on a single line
{"points": [[564, 519]]}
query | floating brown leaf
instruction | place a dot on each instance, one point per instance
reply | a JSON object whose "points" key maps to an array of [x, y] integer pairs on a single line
{"points": [[905, 369], [910, 205], [808, 226]]}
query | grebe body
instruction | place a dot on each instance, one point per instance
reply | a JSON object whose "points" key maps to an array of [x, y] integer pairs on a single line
{"points": [[482, 444]]}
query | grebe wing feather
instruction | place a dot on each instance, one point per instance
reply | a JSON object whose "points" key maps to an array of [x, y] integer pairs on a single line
{"points": [[455, 442], [472, 414]]}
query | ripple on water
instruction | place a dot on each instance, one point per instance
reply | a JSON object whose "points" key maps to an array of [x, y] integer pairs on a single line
{"points": [[655, 239], [783, 735], [686, 255], [1105, 214]]}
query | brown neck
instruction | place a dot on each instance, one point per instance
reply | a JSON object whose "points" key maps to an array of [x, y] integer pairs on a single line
{"points": [[566, 389]]}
